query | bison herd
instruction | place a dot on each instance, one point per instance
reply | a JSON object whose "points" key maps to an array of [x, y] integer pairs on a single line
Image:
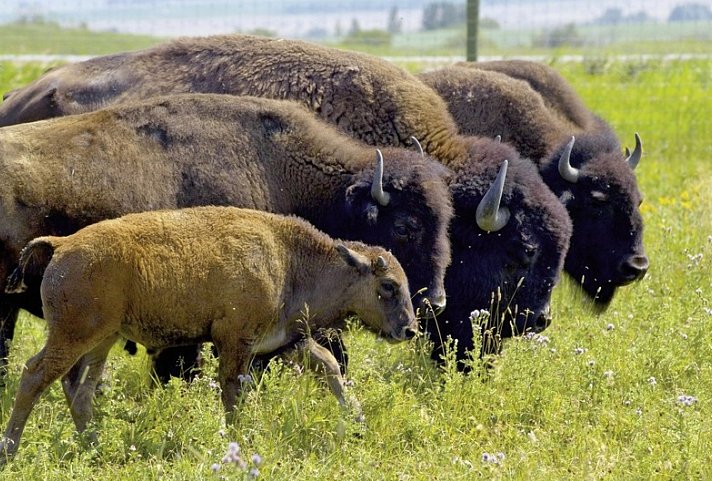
{"points": [[479, 183]]}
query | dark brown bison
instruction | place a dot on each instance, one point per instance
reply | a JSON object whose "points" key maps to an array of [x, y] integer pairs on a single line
{"points": [[369, 99], [248, 281], [62, 174], [535, 109]]}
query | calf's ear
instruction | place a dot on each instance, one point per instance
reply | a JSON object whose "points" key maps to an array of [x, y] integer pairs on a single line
{"points": [[354, 259]]}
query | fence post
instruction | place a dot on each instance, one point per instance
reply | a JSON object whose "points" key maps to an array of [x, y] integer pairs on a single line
{"points": [[473, 26]]}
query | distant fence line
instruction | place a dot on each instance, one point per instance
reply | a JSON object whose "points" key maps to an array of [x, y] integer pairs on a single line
{"points": [[436, 60]]}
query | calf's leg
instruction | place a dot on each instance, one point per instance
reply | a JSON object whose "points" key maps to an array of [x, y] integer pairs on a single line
{"points": [[322, 361], [234, 360], [80, 382], [53, 361]]}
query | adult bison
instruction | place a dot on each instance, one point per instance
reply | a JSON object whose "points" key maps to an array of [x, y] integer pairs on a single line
{"points": [[536, 110], [372, 100], [62, 174]]}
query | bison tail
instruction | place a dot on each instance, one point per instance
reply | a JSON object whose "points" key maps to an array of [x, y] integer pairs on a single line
{"points": [[34, 259]]}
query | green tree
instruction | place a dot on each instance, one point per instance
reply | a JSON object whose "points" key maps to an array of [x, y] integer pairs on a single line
{"points": [[442, 15], [690, 12]]}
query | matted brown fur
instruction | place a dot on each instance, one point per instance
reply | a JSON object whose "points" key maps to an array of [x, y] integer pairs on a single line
{"points": [[199, 149], [483, 102], [249, 281], [357, 92], [533, 107], [365, 96]]}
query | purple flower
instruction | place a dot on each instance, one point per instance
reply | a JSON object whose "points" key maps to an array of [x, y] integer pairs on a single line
{"points": [[686, 400]]}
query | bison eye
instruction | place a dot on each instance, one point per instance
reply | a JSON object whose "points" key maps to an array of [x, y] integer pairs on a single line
{"points": [[387, 289], [401, 230]]}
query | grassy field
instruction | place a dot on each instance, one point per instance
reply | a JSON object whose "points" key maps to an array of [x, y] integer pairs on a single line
{"points": [[648, 38], [626, 395], [49, 38]]}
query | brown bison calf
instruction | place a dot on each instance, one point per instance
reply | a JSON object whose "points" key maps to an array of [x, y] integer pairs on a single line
{"points": [[240, 278]]}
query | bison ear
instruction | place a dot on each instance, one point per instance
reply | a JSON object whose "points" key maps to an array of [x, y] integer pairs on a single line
{"points": [[272, 124], [7, 94], [354, 259], [50, 95], [566, 197], [360, 203]]}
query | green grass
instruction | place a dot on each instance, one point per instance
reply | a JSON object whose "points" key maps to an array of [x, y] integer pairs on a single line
{"points": [[648, 38], [609, 412], [49, 38]]}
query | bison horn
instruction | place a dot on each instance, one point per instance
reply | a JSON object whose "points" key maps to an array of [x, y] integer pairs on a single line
{"points": [[490, 217], [383, 198], [381, 262], [417, 144], [498, 139], [569, 173], [634, 158]]}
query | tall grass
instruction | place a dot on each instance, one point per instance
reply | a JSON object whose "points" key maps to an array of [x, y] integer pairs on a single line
{"points": [[593, 397]]}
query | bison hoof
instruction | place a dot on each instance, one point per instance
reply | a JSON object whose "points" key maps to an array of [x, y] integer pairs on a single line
{"points": [[7, 450]]}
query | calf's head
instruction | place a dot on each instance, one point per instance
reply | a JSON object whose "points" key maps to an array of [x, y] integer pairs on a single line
{"points": [[596, 183], [403, 205], [380, 295]]}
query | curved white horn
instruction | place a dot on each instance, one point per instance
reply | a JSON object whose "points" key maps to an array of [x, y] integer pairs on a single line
{"points": [[490, 216], [417, 144], [569, 173], [634, 158], [377, 192], [498, 139]]}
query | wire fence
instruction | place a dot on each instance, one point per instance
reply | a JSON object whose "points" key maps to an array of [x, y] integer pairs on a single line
{"points": [[423, 29]]}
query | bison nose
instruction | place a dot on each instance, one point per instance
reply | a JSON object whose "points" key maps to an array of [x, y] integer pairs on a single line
{"points": [[542, 322], [634, 268], [408, 333]]}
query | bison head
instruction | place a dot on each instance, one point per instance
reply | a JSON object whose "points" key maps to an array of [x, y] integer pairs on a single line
{"points": [[403, 205], [383, 299], [597, 185], [65, 90], [506, 264]]}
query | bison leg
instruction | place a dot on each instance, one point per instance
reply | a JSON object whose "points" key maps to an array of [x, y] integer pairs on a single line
{"points": [[233, 363], [40, 371], [331, 340], [80, 382], [8, 318], [234, 352], [322, 361], [180, 361]]}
